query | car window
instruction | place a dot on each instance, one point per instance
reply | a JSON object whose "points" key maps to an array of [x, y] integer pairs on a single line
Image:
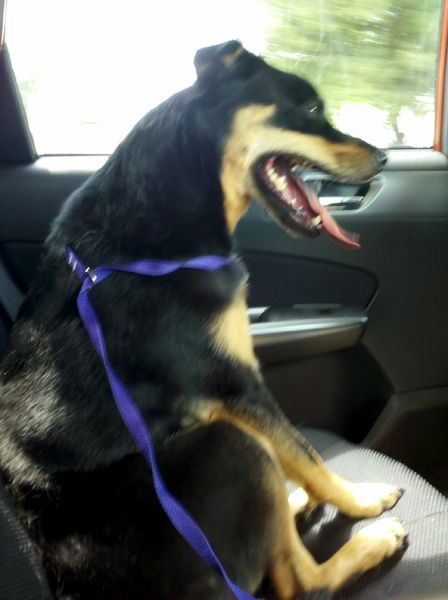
{"points": [[87, 70]]}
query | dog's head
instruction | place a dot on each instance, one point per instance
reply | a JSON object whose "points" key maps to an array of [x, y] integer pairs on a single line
{"points": [[276, 131]]}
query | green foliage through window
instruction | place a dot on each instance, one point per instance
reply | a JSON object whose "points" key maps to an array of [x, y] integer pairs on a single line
{"points": [[381, 53]]}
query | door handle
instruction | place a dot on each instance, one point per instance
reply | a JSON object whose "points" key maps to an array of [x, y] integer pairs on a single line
{"points": [[322, 182], [341, 202]]}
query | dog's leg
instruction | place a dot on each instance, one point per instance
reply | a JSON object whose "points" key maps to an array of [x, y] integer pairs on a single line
{"points": [[302, 464], [241, 501], [301, 504], [258, 412], [293, 570], [298, 501]]}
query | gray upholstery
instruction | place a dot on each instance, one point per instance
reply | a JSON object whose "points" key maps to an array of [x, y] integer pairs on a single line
{"points": [[422, 571]]}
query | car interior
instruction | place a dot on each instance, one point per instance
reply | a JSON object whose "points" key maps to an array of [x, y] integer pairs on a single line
{"points": [[351, 343]]}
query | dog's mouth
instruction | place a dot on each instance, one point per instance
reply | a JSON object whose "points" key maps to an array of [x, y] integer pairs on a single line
{"points": [[292, 195]]}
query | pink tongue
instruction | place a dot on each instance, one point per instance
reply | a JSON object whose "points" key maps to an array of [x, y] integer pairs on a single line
{"points": [[347, 239], [329, 225]]}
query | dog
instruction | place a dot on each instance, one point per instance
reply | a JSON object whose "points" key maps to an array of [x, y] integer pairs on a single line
{"points": [[176, 188]]}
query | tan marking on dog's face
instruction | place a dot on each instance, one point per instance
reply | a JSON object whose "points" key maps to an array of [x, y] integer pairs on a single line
{"points": [[231, 333], [247, 128], [252, 136]]}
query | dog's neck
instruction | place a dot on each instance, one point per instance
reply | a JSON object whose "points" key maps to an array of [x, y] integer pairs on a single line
{"points": [[158, 195]]}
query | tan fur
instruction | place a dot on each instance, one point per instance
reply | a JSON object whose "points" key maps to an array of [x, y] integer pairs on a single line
{"points": [[292, 569], [252, 136], [231, 331], [248, 124], [299, 501], [229, 59], [357, 500], [302, 465]]}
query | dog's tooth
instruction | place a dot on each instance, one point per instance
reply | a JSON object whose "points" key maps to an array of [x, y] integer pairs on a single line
{"points": [[280, 183], [316, 220]]}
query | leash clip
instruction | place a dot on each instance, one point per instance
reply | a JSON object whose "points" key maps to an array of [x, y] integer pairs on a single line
{"points": [[89, 273], [77, 267]]}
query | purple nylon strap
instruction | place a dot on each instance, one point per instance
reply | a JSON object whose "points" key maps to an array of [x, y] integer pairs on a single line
{"points": [[179, 517]]}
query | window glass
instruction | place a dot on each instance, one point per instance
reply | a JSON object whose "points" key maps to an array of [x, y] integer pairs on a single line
{"points": [[89, 69]]}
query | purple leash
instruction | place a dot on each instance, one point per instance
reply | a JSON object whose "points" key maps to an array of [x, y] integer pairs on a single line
{"points": [[179, 517]]}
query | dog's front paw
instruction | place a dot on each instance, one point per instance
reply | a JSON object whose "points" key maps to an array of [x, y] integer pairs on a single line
{"points": [[367, 549], [371, 499], [381, 539]]}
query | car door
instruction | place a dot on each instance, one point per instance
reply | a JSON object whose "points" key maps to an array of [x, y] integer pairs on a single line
{"points": [[352, 341]]}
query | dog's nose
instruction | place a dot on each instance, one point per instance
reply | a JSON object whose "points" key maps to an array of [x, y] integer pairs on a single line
{"points": [[380, 158]]}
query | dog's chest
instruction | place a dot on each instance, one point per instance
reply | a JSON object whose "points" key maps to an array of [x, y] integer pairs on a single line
{"points": [[230, 326], [217, 290]]}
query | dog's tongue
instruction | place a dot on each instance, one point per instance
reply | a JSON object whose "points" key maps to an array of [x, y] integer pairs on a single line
{"points": [[329, 225]]}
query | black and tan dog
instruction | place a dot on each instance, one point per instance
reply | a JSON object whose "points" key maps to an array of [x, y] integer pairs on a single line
{"points": [[175, 188]]}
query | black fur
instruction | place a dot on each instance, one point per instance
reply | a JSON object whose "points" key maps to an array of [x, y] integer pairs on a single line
{"points": [[81, 489]]}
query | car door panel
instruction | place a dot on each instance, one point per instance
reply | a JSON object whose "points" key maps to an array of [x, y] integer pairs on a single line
{"points": [[404, 232]]}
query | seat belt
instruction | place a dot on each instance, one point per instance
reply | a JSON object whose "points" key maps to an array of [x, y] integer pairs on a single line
{"points": [[10, 296]]}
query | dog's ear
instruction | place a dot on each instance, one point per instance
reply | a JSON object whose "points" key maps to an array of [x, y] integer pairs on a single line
{"points": [[214, 61]]}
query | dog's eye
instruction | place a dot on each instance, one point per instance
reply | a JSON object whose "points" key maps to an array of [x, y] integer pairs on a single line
{"points": [[315, 108]]}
